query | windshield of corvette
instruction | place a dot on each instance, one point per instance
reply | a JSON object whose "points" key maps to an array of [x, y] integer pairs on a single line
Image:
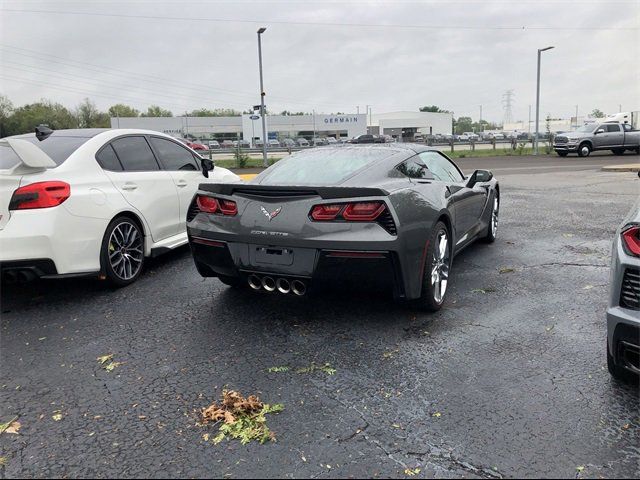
{"points": [[322, 166]]}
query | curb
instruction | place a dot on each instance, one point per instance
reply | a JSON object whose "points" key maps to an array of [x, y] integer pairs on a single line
{"points": [[632, 167]]}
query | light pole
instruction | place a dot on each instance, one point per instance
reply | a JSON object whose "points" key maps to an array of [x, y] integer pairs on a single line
{"points": [[540, 50], [368, 118], [264, 127]]}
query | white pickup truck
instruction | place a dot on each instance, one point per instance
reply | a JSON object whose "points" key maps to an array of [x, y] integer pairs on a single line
{"points": [[612, 136]]}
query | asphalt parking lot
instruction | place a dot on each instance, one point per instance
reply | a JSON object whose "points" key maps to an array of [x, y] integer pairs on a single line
{"points": [[508, 380]]}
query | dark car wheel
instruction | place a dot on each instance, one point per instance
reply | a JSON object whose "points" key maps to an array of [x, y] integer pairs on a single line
{"points": [[584, 150], [437, 266], [563, 154], [122, 253], [619, 373], [492, 228]]}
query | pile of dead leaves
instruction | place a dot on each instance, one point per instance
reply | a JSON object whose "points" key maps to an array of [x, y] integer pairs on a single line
{"points": [[244, 418]]}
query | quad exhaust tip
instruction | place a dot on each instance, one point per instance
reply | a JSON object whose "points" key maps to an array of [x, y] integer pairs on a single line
{"points": [[283, 285], [254, 282], [298, 288], [269, 284]]}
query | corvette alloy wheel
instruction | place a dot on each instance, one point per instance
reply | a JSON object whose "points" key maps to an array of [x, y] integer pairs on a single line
{"points": [[440, 266]]}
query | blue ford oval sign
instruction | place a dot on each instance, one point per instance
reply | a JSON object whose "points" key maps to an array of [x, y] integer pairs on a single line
{"points": [[254, 117]]}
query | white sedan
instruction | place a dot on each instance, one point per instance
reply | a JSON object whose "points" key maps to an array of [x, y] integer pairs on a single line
{"points": [[95, 201]]}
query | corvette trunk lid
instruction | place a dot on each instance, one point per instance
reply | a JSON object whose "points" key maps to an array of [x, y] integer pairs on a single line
{"points": [[272, 214]]}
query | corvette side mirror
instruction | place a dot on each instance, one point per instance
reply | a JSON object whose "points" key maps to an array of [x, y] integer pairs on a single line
{"points": [[479, 176], [207, 166]]}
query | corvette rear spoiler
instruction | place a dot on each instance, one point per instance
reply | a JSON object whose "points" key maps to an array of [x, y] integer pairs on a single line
{"points": [[292, 191]]}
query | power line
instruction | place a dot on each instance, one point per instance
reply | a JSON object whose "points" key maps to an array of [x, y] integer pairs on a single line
{"points": [[317, 24]]}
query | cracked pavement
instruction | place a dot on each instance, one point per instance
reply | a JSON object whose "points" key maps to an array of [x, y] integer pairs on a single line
{"points": [[509, 382]]}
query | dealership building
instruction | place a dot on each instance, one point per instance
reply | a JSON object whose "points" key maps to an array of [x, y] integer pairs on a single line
{"points": [[396, 124]]}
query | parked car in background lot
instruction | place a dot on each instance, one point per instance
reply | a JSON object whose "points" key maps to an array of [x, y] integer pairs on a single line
{"points": [[193, 145], [288, 142], [94, 201], [273, 143], [302, 142], [598, 136], [367, 138], [331, 140], [318, 142], [226, 144], [371, 212], [214, 145], [623, 315]]}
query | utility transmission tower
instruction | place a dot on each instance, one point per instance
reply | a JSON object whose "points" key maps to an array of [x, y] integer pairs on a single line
{"points": [[507, 105]]}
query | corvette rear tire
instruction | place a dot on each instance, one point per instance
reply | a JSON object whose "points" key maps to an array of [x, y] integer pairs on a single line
{"points": [[122, 252], [436, 269]]}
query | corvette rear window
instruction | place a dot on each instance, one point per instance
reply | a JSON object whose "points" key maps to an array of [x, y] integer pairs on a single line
{"points": [[322, 166]]}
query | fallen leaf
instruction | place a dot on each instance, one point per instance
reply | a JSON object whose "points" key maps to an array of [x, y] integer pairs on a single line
{"points": [[56, 417], [568, 235], [588, 287], [580, 469], [112, 365], [548, 329], [483, 290], [42, 338], [278, 369], [395, 425], [13, 428], [506, 270], [3, 461], [437, 415], [626, 426], [105, 358], [205, 437], [411, 472], [4, 427]]}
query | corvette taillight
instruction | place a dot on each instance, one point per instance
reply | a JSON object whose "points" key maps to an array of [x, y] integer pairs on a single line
{"points": [[631, 240], [363, 212], [351, 212], [219, 206], [40, 195], [325, 212]]}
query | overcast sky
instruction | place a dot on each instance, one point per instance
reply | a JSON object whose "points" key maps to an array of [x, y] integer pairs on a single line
{"points": [[325, 55]]}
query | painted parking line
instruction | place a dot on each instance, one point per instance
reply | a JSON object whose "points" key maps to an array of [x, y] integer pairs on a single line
{"points": [[247, 176]]}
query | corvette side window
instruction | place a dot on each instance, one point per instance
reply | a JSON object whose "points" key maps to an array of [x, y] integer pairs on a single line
{"points": [[414, 168], [441, 167]]}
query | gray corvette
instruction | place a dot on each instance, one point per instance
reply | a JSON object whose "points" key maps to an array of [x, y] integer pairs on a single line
{"points": [[623, 314], [396, 213]]}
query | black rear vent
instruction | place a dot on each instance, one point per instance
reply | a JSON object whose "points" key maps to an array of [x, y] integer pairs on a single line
{"points": [[386, 220], [274, 192], [193, 210], [630, 293]]}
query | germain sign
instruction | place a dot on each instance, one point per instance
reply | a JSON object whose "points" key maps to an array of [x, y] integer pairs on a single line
{"points": [[341, 119]]}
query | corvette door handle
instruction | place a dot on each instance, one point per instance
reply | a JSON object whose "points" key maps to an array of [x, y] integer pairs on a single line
{"points": [[129, 186], [181, 183]]}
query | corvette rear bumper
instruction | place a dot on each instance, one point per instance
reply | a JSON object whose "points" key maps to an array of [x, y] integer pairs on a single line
{"points": [[316, 267]]}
